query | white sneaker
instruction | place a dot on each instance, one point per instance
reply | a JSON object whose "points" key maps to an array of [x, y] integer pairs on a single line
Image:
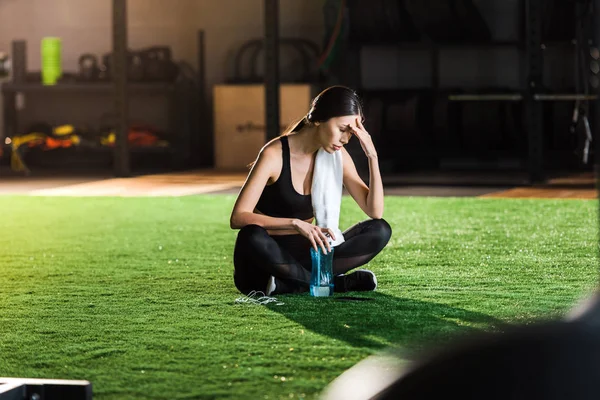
{"points": [[270, 286]]}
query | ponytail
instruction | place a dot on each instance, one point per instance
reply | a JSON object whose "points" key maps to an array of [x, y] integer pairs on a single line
{"points": [[295, 126]]}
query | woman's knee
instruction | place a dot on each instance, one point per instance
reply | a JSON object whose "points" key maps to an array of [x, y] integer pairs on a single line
{"points": [[382, 229], [250, 233]]}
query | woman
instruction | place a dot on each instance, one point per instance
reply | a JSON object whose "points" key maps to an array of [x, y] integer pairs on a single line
{"points": [[274, 212]]}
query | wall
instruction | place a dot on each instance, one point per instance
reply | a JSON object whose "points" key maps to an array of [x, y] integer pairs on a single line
{"points": [[85, 26]]}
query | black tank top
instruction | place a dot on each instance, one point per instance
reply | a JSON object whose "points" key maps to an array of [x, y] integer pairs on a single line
{"points": [[280, 199]]}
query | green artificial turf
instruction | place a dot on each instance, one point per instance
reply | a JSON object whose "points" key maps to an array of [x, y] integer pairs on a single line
{"points": [[136, 294]]}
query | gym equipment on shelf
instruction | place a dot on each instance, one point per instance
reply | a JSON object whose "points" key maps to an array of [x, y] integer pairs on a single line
{"points": [[246, 67], [239, 119], [89, 70]]}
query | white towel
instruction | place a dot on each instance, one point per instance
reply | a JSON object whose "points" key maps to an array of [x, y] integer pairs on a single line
{"points": [[326, 192]]}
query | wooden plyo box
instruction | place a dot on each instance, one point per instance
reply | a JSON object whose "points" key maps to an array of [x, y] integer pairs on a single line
{"points": [[239, 115]]}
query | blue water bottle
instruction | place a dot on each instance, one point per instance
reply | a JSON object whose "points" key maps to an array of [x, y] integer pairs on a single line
{"points": [[321, 278]]}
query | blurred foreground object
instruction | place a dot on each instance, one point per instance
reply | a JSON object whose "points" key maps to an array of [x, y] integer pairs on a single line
{"points": [[44, 389], [547, 360]]}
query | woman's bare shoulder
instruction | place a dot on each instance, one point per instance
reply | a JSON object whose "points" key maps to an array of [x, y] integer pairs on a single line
{"points": [[271, 151]]}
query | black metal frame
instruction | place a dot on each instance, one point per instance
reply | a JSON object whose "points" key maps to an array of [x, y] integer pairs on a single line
{"points": [[204, 144], [272, 80], [595, 109], [121, 153], [534, 77]]}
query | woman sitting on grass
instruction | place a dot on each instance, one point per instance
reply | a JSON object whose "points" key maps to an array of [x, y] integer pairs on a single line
{"points": [[274, 211]]}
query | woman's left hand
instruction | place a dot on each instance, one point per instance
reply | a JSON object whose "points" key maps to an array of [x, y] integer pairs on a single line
{"points": [[365, 139]]}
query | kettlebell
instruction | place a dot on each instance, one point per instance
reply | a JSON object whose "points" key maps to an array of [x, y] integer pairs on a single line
{"points": [[158, 64], [135, 66], [88, 67], [136, 71]]}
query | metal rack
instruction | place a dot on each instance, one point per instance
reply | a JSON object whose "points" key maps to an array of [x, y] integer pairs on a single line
{"points": [[531, 97], [120, 91]]}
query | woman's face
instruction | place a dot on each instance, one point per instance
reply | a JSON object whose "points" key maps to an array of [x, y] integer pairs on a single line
{"points": [[335, 132]]}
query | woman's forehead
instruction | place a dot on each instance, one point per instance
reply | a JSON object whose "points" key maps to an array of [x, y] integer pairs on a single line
{"points": [[346, 120]]}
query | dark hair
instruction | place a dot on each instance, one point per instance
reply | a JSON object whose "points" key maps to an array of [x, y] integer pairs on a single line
{"points": [[335, 101]]}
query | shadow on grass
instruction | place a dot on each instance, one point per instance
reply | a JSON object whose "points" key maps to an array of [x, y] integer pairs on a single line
{"points": [[382, 320]]}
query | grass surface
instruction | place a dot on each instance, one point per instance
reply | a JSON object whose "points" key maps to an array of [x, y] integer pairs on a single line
{"points": [[136, 295]]}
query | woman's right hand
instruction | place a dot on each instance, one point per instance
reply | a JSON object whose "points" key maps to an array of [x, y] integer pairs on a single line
{"points": [[316, 235]]}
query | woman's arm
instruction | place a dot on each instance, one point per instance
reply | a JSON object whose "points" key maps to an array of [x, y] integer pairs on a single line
{"points": [[368, 198], [269, 160], [243, 211]]}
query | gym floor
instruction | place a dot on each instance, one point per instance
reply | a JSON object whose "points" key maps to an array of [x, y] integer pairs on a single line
{"points": [[195, 182]]}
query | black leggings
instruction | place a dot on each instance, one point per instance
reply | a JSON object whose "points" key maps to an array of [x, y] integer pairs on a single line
{"points": [[258, 256]]}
